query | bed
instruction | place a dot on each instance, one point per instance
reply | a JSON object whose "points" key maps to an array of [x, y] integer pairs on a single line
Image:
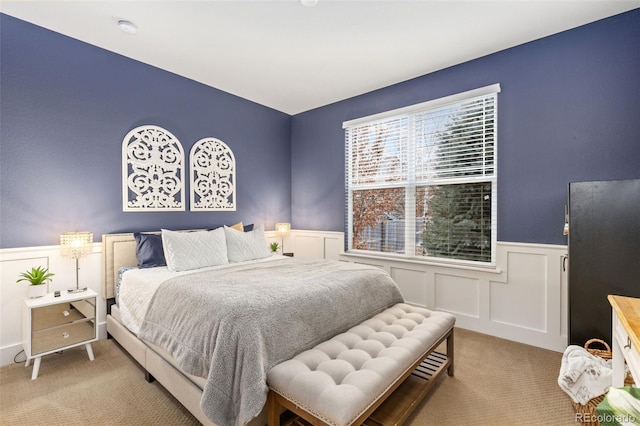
{"points": [[210, 333]]}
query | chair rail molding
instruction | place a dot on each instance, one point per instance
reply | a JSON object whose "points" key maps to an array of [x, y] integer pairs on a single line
{"points": [[523, 299]]}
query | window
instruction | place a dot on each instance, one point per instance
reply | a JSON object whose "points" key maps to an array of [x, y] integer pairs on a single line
{"points": [[421, 181]]}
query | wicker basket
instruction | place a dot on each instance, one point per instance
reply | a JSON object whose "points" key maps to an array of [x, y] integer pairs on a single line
{"points": [[589, 415]]}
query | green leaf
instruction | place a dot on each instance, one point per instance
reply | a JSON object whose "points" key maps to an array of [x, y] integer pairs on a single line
{"points": [[36, 276]]}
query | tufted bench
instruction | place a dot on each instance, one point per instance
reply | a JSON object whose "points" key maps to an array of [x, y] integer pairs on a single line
{"points": [[342, 381]]}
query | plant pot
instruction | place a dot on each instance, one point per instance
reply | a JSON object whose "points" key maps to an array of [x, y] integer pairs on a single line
{"points": [[37, 290]]}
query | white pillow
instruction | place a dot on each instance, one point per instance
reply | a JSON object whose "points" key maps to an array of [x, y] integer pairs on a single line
{"points": [[243, 246], [185, 251]]}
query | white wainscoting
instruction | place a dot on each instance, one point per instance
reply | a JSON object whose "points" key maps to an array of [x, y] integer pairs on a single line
{"points": [[16, 260], [524, 299], [315, 244]]}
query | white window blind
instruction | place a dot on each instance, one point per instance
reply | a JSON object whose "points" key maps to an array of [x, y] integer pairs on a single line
{"points": [[421, 181]]}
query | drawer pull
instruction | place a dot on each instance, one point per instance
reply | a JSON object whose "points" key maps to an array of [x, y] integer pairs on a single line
{"points": [[65, 313], [628, 345], [65, 335]]}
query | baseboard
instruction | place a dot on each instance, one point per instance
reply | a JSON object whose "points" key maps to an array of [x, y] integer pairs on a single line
{"points": [[8, 354]]}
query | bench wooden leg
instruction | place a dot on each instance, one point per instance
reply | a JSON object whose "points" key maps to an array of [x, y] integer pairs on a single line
{"points": [[273, 410], [450, 353]]}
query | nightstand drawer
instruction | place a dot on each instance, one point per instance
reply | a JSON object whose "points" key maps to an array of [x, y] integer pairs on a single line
{"points": [[86, 307], [61, 336], [61, 313]]}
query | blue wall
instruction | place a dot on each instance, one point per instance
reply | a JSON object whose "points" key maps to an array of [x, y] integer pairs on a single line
{"points": [[66, 107], [569, 110]]}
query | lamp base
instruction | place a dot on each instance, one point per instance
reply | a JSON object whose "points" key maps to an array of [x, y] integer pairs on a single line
{"points": [[77, 290]]}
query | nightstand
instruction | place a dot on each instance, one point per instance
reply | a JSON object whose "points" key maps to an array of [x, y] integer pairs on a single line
{"points": [[51, 324]]}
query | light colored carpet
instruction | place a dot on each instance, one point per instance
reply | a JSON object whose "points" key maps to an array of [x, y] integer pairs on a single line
{"points": [[71, 390], [496, 382]]}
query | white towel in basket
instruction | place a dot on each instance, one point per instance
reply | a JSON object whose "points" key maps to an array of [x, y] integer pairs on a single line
{"points": [[583, 376]]}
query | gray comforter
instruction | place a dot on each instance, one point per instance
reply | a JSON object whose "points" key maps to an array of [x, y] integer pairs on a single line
{"points": [[231, 326]]}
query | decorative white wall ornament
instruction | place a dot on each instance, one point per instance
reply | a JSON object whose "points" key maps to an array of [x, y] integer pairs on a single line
{"points": [[213, 176], [152, 171]]}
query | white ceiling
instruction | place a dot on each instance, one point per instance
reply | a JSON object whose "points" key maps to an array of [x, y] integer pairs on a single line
{"points": [[295, 58]]}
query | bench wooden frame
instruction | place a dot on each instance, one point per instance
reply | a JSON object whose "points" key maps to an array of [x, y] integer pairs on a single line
{"points": [[424, 371]]}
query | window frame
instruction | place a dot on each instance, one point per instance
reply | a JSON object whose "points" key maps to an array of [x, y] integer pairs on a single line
{"points": [[411, 183]]}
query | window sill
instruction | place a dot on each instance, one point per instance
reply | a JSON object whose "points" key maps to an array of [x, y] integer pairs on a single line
{"points": [[490, 269]]}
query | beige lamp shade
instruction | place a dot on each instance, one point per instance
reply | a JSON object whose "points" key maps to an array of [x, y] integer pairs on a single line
{"points": [[74, 245], [283, 228]]}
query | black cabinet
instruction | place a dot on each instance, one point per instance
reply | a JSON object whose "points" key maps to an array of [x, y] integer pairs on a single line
{"points": [[604, 253]]}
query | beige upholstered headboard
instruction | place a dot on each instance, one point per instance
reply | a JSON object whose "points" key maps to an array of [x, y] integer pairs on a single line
{"points": [[118, 250]]}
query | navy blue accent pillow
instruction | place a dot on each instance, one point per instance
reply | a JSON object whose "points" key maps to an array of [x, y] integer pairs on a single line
{"points": [[245, 228], [149, 250]]}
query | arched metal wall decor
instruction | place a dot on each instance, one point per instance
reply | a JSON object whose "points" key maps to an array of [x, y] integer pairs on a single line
{"points": [[213, 176], [152, 171]]}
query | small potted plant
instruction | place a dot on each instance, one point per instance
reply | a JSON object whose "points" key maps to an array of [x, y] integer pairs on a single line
{"points": [[274, 247], [37, 278]]}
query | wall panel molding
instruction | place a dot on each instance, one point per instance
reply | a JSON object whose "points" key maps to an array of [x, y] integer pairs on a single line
{"points": [[525, 273], [470, 294], [523, 299], [414, 282], [315, 244], [456, 294]]}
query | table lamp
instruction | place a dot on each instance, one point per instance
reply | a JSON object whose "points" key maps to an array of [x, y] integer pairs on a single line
{"points": [[283, 229], [74, 245]]}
